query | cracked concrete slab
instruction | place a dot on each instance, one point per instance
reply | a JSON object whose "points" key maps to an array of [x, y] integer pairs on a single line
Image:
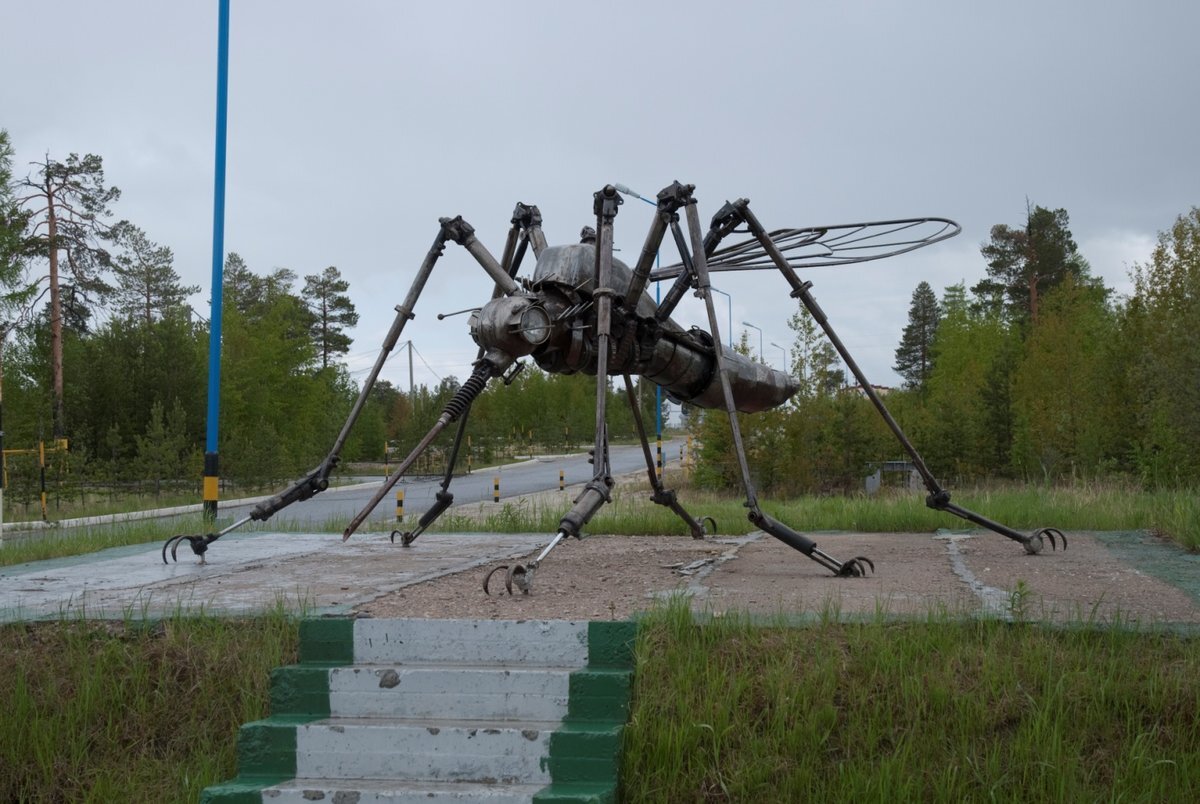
{"points": [[244, 574]]}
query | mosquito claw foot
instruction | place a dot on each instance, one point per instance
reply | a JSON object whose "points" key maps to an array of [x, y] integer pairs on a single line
{"points": [[856, 567], [199, 545], [519, 576], [488, 577], [1052, 534], [406, 538]]}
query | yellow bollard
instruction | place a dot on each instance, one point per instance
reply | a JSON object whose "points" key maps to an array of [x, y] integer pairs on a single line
{"points": [[496, 488], [400, 505], [659, 466], [561, 480], [42, 469]]}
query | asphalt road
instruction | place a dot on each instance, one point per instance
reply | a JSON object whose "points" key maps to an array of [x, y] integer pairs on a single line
{"points": [[338, 506]]}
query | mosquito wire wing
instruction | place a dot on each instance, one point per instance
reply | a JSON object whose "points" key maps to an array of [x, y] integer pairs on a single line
{"points": [[823, 246]]}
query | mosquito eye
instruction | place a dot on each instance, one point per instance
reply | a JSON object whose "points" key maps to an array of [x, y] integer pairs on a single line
{"points": [[535, 325]]}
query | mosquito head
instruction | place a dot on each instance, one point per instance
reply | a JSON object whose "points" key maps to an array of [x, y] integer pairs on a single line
{"points": [[516, 325]]}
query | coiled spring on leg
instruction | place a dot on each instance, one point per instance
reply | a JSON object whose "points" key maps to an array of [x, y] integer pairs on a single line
{"points": [[469, 390]]}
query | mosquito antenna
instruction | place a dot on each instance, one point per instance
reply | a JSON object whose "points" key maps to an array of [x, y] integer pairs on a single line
{"points": [[442, 316]]}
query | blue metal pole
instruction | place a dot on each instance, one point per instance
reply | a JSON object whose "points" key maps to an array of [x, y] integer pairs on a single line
{"points": [[218, 260]]}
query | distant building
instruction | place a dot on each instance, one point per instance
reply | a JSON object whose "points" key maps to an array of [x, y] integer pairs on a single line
{"points": [[881, 390], [905, 469]]}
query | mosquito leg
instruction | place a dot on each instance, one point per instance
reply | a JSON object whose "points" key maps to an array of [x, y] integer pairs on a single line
{"points": [[856, 566], [662, 495]]}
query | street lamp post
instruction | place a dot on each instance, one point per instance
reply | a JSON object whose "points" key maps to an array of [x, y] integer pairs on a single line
{"points": [[761, 355], [729, 301], [782, 355]]}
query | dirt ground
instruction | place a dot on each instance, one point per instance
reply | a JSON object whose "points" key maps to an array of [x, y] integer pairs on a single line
{"points": [[614, 577], [1099, 576]]}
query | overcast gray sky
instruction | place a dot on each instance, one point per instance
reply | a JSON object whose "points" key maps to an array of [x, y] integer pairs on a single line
{"points": [[354, 126]]}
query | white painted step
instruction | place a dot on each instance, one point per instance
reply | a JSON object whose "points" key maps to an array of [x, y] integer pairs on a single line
{"points": [[442, 750], [363, 791], [454, 692], [552, 643]]}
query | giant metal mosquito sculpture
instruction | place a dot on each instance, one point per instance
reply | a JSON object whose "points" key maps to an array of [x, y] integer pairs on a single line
{"points": [[583, 310]]}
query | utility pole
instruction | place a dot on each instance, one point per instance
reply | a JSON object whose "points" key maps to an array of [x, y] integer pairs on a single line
{"points": [[410, 369]]}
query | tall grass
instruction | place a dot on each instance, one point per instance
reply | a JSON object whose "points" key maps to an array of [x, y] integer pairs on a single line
{"points": [[941, 710], [99, 711], [1174, 514]]}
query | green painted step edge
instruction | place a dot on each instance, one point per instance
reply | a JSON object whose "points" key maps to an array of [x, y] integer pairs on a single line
{"points": [[299, 694], [599, 696], [241, 790], [327, 640], [301, 690], [585, 752], [612, 643], [582, 793]]}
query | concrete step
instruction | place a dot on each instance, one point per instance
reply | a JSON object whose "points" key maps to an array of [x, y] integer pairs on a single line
{"points": [[452, 692], [441, 711], [546, 643], [363, 791], [429, 750]]}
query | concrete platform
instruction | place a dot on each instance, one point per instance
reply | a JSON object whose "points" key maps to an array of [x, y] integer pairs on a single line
{"points": [[1102, 577], [245, 573]]}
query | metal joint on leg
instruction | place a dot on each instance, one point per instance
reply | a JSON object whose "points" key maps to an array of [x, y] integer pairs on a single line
{"points": [[442, 500], [854, 568], [1033, 543], [607, 200], [595, 494]]}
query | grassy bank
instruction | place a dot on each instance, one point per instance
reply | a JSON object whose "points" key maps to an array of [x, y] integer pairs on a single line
{"points": [[1173, 514], [103, 712], [938, 710], [942, 710]]}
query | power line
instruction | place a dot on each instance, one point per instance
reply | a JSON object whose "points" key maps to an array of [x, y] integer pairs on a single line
{"points": [[429, 367]]}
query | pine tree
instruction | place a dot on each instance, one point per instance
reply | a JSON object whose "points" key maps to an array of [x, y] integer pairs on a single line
{"points": [[68, 205], [914, 356], [325, 295], [13, 220], [1023, 264], [148, 287]]}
